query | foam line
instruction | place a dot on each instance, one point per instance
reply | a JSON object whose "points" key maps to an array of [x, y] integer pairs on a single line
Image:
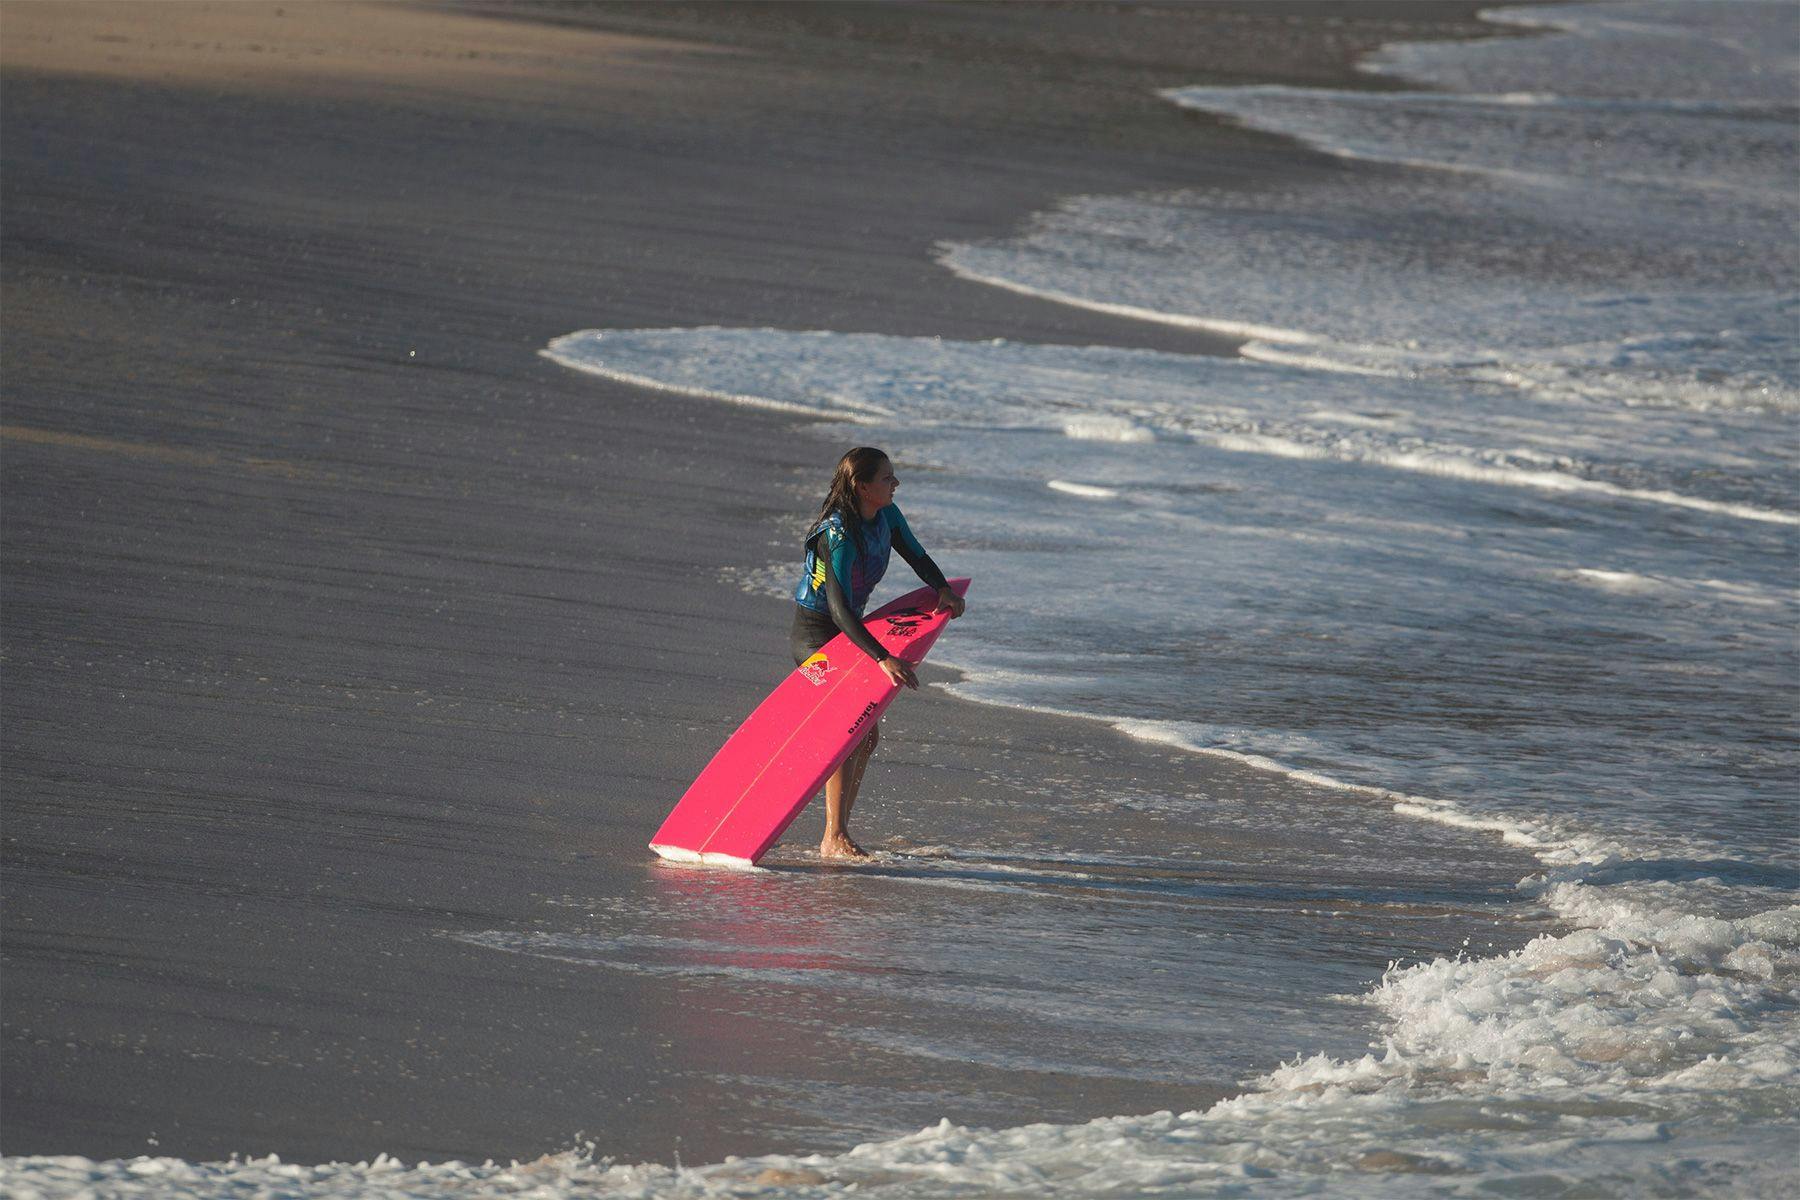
{"points": [[562, 350], [1197, 98], [1087, 491], [844, 381], [1447, 466], [947, 257]]}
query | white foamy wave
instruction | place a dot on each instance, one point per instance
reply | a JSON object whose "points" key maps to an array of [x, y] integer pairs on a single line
{"points": [[1412, 320], [1635, 143], [1099, 427], [1631, 583], [1575, 232], [1105, 395], [1087, 491], [1728, 56], [1452, 465], [1618, 581], [1670, 985], [1557, 295], [1627, 1028], [966, 263], [1658, 1007], [1217, 742], [588, 351], [1702, 372]]}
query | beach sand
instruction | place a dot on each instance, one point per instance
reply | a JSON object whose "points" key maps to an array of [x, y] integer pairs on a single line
{"points": [[339, 626]]}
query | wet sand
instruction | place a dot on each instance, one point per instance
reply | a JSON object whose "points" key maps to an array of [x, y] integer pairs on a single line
{"points": [[338, 625]]}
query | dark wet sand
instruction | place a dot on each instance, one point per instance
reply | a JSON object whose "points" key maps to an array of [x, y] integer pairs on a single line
{"points": [[335, 620]]}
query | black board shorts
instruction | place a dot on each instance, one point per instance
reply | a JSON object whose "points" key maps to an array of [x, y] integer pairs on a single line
{"points": [[809, 631]]}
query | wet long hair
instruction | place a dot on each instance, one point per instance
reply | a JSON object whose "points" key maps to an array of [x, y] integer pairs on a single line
{"points": [[857, 466]]}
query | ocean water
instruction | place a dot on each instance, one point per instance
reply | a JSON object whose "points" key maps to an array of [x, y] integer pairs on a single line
{"points": [[1492, 533]]}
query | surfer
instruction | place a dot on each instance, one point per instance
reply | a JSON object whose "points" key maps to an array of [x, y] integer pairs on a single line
{"points": [[846, 555]]}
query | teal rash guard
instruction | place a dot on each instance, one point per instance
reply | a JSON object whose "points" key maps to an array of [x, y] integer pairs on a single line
{"points": [[844, 562]]}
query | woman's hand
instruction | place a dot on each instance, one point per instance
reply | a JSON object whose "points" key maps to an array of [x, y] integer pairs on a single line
{"points": [[899, 671], [950, 600]]}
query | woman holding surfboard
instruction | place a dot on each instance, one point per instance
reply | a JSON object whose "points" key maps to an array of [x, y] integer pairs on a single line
{"points": [[847, 553]]}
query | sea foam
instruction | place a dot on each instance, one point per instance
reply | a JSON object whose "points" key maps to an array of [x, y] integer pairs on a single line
{"points": [[1245, 407]]}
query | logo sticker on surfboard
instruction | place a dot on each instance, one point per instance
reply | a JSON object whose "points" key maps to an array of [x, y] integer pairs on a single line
{"points": [[816, 668]]}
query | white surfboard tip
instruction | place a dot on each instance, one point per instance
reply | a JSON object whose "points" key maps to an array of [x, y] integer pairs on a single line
{"points": [[702, 858]]}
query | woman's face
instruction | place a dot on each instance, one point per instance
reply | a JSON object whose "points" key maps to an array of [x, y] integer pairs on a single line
{"points": [[878, 492]]}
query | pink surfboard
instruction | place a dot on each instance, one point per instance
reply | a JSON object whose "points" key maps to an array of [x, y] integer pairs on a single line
{"points": [[781, 755]]}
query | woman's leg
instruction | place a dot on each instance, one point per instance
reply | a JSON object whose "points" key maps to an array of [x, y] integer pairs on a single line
{"points": [[840, 798], [853, 785]]}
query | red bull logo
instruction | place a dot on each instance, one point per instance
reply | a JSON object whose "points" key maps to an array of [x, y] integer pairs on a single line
{"points": [[816, 668]]}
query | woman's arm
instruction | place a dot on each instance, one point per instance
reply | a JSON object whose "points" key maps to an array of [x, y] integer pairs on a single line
{"points": [[901, 536], [835, 560], [898, 670]]}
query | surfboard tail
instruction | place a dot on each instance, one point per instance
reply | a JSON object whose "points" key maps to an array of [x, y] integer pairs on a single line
{"points": [[702, 858]]}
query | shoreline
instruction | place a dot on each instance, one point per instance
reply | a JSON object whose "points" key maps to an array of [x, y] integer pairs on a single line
{"points": [[331, 606]]}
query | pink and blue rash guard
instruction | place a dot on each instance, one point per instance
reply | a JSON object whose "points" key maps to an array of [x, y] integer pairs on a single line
{"points": [[844, 563]]}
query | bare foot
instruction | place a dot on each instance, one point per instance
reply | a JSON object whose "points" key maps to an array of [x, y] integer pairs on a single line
{"points": [[840, 847]]}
